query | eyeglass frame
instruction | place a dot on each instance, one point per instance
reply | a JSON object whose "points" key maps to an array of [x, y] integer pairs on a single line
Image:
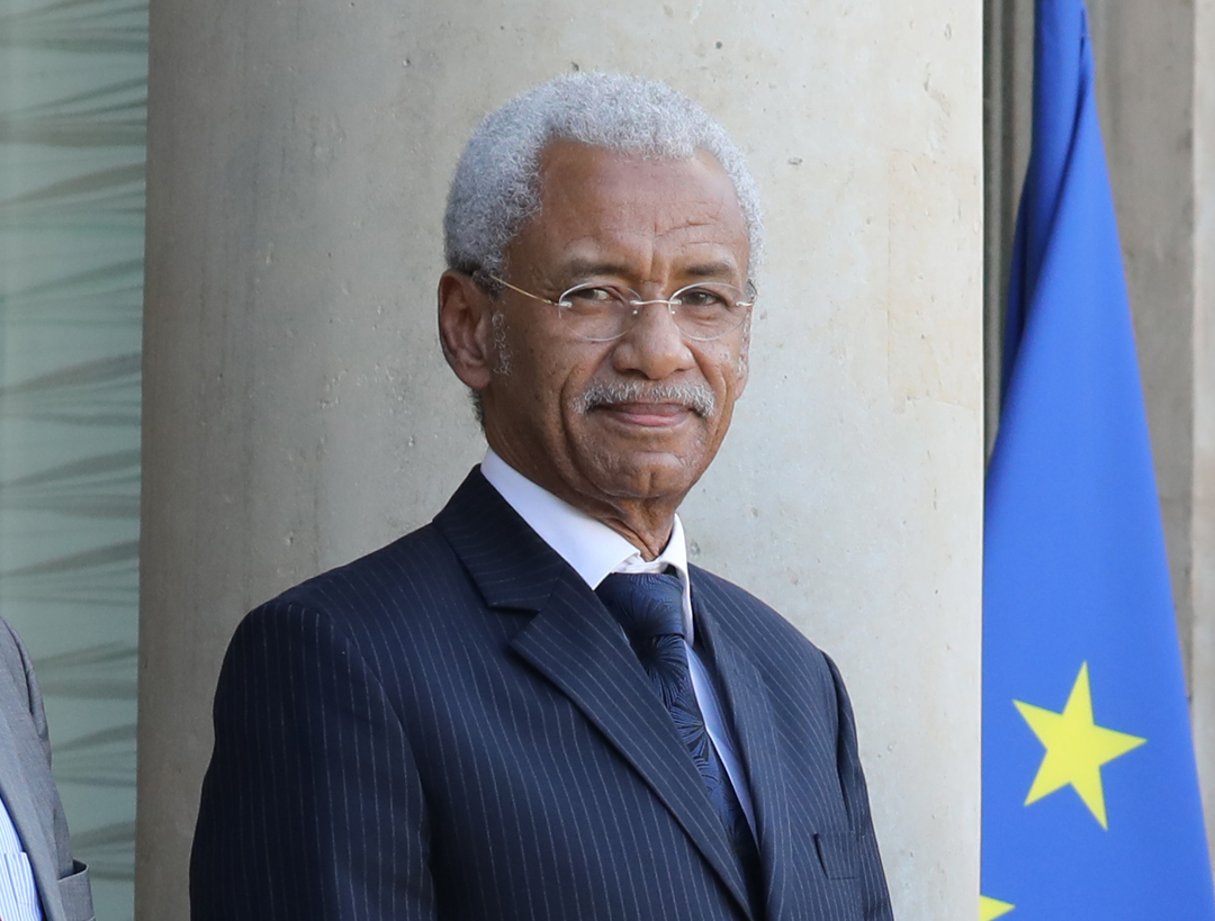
{"points": [[637, 303]]}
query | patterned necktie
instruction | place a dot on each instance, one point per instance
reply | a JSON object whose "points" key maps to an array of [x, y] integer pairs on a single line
{"points": [[649, 606]]}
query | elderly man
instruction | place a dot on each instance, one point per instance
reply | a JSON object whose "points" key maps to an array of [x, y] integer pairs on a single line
{"points": [[534, 707]]}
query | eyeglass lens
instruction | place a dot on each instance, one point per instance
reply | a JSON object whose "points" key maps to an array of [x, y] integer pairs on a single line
{"points": [[702, 311]]}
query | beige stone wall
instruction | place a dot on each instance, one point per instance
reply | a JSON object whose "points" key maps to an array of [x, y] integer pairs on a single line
{"points": [[297, 411]]}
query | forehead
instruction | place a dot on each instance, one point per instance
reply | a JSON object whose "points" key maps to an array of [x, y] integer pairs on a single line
{"points": [[649, 215]]}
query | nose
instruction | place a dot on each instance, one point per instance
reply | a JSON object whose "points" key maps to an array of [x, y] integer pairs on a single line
{"points": [[653, 346]]}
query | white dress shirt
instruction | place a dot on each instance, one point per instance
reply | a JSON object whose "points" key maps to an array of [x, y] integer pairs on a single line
{"points": [[595, 551], [18, 894]]}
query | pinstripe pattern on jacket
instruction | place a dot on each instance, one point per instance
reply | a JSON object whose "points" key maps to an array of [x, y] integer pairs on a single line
{"points": [[453, 728]]}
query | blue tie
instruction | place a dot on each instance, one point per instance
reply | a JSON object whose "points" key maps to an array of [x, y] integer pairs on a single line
{"points": [[649, 606]]}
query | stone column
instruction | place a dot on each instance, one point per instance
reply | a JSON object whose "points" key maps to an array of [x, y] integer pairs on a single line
{"points": [[1203, 522], [297, 412], [1155, 87], [1147, 116]]}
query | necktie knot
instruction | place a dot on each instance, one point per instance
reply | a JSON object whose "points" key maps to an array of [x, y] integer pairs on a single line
{"points": [[647, 605]]}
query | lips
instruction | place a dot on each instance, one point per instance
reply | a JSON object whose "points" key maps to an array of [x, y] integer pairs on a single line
{"points": [[649, 415]]}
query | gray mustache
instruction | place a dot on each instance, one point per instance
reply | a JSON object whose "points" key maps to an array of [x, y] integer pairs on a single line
{"points": [[696, 397]]}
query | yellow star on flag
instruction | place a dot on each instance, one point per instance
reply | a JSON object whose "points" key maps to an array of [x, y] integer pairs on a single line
{"points": [[1076, 748], [990, 909]]}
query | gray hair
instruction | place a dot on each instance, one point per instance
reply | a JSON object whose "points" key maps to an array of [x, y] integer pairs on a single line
{"points": [[496, 185]]}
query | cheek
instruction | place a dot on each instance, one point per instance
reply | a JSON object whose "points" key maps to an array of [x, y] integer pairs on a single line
{"points": [[558, 385], [571, 370], [740, 366], [725, 369], [742, 359]]}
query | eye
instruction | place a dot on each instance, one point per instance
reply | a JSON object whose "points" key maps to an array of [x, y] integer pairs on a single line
{"points": [[703, 298], [593, 293], [594, 297]]}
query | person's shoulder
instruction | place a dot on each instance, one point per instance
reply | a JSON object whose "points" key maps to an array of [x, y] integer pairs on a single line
{"points": [[797, 669], [8, 638], [13, 657], [411, 565], [753, 624], [354, 602], [735, 603], [16, 662]]}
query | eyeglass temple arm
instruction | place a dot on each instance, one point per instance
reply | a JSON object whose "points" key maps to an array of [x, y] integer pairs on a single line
{"points": [[534, 297]]}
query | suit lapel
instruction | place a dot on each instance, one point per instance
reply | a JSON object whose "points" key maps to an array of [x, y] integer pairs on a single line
{"points": [[21, 743], [577, 646], [750, 715]]}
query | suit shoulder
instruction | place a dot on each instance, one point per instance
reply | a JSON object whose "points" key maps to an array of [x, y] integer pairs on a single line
{"points": [[11, 650], [16, 661], [753, 625], [737, 605], [416, 579], [408, 565]]}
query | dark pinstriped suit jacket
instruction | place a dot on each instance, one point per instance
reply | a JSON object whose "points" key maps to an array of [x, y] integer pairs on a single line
{"points": [[454, 728]]}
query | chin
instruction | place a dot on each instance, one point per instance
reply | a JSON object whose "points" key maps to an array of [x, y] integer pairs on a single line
{"points": [[642, 478]]}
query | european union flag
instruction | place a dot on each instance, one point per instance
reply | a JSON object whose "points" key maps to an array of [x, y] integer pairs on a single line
{"points": [[1090, 795]]}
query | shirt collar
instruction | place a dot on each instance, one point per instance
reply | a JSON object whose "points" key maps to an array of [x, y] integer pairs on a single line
{"points": [[592, 548]]}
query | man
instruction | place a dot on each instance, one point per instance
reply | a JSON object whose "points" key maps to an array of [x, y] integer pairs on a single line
{"points": [[534, 707], [38, 877]]}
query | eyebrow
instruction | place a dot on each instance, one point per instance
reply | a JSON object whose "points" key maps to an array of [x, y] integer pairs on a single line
{"points": [[710, 269], [580, 268]]}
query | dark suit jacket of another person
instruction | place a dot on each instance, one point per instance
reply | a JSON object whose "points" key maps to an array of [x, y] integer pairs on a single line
{"points": [[29, 792], [455, 728]]}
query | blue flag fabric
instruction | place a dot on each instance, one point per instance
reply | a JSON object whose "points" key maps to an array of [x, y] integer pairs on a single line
{"points": [[1090, 795]]}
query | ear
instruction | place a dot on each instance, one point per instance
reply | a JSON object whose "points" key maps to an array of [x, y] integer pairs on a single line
{"points": [[465, 329]]}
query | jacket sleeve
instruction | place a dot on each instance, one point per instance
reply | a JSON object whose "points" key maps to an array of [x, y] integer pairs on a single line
{"points": [[20, 665], [75, 894], [311, 807], [875, 897]]}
